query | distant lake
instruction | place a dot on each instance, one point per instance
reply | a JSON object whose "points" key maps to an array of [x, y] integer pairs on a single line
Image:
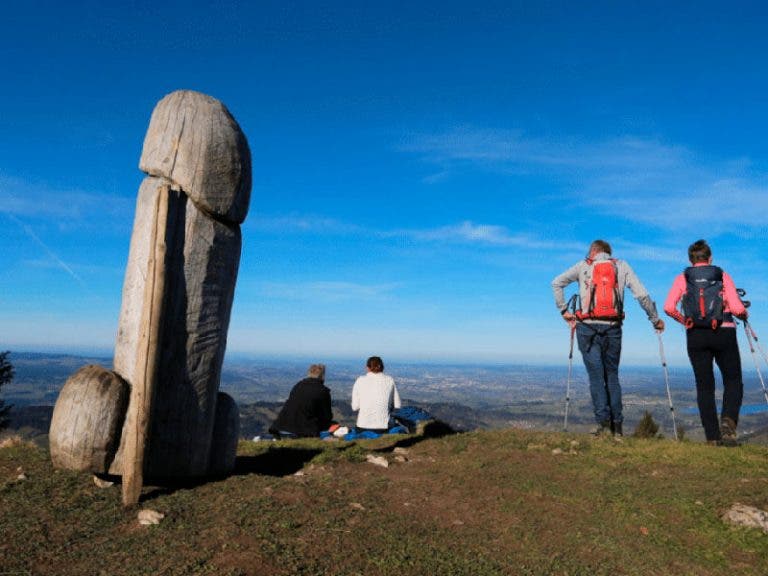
{"points": [[745, 409]]}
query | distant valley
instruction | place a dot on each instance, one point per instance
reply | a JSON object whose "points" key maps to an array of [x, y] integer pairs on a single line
{"points": [[464, 396]]}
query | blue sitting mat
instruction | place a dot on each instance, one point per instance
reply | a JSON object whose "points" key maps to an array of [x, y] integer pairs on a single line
{"points": [[410, 416], [364, 435], [368, 435]]}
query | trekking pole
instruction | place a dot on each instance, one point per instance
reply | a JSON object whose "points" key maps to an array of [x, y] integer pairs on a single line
{"points": [[568, 385], [752, 336], [572, 304], [666, 379]]}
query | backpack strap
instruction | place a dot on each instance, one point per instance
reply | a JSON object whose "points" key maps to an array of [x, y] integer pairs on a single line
{"points": [[595, 333], [712, 274]]}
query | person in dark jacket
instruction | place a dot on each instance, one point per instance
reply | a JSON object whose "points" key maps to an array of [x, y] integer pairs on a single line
{"points": [[307, 412]]}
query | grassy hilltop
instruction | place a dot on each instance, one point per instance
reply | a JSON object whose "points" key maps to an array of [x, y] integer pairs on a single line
{"points": [[485, 502]]}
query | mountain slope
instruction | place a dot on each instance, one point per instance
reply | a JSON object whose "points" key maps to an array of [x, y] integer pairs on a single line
{"points": [[486, 502]]}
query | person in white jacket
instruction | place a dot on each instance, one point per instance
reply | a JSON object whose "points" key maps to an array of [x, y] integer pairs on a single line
{"points": [[374, 396]]}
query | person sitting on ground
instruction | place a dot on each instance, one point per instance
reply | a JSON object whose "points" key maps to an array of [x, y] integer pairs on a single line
{"points": [[374, 396], [307, 412]]}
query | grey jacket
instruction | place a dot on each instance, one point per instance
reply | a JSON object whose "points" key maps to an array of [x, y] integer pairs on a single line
{"points": [[581, 272]]}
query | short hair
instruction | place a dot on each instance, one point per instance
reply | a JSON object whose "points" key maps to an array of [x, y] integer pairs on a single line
{"points": [[375, 364], [699, 251], [600, 246], [316, 371]]}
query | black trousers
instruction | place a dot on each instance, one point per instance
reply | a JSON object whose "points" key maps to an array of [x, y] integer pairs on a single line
{"points": [[704, 346]]}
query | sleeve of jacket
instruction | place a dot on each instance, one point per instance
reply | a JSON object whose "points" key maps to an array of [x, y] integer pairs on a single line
{"points": [[355, 397], [731, 297], [326, 409], [395, 398], [560, 282], [639, 292], [673, 297]]}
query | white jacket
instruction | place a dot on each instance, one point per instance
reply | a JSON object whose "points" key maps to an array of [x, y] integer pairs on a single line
{"points": [[374, 395]]}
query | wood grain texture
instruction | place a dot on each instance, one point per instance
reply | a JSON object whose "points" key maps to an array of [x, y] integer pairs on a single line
{"points": [[194, 141], [87, 419], [226, 432], [197, 156], [137, 421], [201, 269]]}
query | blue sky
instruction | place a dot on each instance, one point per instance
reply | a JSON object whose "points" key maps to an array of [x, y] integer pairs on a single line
{"points": [[421, 170]]}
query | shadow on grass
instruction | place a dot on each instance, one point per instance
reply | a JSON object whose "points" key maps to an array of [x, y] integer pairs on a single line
{"points": [[275, 462], [432, 429], [167, 487], [285, 461]]}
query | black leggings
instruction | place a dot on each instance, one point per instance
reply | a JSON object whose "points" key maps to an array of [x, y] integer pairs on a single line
{"points": [[704, 346]]}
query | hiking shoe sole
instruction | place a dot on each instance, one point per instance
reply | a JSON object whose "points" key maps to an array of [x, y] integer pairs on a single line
{"points": [[728, 431]]}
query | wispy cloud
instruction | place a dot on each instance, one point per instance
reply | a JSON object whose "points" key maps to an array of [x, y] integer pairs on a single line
{"points": [[468, 232], [511, 149], [300, 223], [87, 269], [716, 205], [327, 291], [35, 200], [51, 254], [634, 251], [641, 180]]}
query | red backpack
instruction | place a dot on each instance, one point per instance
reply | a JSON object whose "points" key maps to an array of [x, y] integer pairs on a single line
{"points": [[603, 297]]}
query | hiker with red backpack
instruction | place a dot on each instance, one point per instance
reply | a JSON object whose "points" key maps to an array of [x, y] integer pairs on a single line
{"points": [[597, 322], [709, 301]]}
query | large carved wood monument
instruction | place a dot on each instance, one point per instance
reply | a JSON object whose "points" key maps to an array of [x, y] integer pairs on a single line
{"points": [[159, 413]]}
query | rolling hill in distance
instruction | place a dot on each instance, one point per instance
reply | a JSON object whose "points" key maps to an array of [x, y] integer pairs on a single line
{"points": [[466, 396]]}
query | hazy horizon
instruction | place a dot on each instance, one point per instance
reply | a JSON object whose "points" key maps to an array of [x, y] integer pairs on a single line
{"points": [[235, 357]]}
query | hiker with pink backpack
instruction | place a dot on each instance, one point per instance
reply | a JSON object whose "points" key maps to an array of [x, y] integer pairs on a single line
{"points": [[596, 314]]}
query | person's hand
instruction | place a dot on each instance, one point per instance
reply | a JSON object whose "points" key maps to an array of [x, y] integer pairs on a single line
{"points": [[743, 316], [569, 318], [659, 325]]}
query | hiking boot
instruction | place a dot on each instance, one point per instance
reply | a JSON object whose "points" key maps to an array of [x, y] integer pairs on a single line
{"points": [[714, 443], [728, 432], [618, 430], [602, 429]]}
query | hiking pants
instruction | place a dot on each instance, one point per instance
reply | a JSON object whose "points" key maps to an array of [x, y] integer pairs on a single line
{"points": [[704, 346], [600, 347]]}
